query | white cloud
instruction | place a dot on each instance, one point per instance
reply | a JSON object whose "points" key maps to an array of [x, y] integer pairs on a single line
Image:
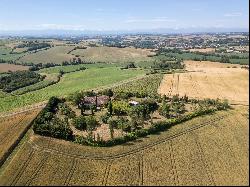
{"points": [[234, 14], [157, 19]]}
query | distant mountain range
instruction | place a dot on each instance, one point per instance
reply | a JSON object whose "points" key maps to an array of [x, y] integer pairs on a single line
{"points": [[43, 33]]}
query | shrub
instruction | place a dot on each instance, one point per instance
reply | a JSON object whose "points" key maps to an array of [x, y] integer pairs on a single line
{"points": [[222, 105], [124, 95], [175, 98], [150, 104], [76, 98], [80, 123], [113, 123], [91, 123], [164, 110], [110, 108], [107, 92], [123, 123], [120, 107], [66, 110], [105, 117], [54, 128], [140, 112]]}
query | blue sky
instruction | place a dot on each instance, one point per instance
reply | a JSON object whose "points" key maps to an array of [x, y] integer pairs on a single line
{"points": [[122, 14]]}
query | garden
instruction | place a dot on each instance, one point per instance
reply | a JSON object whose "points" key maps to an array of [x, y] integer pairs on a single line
{"points": [[108, 118]]}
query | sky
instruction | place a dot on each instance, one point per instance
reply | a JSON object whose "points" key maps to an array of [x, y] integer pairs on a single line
{"points": [[122, 14]]}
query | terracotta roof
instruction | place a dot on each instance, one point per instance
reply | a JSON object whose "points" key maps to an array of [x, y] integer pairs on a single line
{"points": [[101, 100]]}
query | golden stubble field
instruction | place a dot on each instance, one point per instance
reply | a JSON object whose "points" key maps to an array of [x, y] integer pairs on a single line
{"points": [[209, 150], [113, 54], [206, 50], [209, 80], [12, 67], [56, 55], [12, 129]]}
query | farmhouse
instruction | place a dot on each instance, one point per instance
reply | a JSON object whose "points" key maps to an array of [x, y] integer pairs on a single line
{"points": [[96, 100]]}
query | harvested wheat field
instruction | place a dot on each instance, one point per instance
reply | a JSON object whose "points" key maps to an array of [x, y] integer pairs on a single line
{"points": [[55, 55], [12, 129], [206, 50], [12, 67], [209, 80], [113, 54], [208, 150]]}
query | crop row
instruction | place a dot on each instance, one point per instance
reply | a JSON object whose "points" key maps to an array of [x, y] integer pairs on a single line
{"points": [[18, 127], [147, 86]]}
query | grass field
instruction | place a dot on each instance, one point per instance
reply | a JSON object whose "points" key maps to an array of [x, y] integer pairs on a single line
{"points": [[209, 150], [113, 54], [71, 68], [55, 55], [12, 129], [209, 80], [71, 82], [49, 80], [6, 55]]}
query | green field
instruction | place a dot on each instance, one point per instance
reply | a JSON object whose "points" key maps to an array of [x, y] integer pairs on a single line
{"points": [[5, 54], [71, 68], [49, 80], [71, 82]]}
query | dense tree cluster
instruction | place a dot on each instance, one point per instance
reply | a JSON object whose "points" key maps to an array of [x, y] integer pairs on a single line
{"points": [[88, 123], [165, 65], [130, 65], [19, 79], [47, 124], [199, 56], [33, 45]]}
